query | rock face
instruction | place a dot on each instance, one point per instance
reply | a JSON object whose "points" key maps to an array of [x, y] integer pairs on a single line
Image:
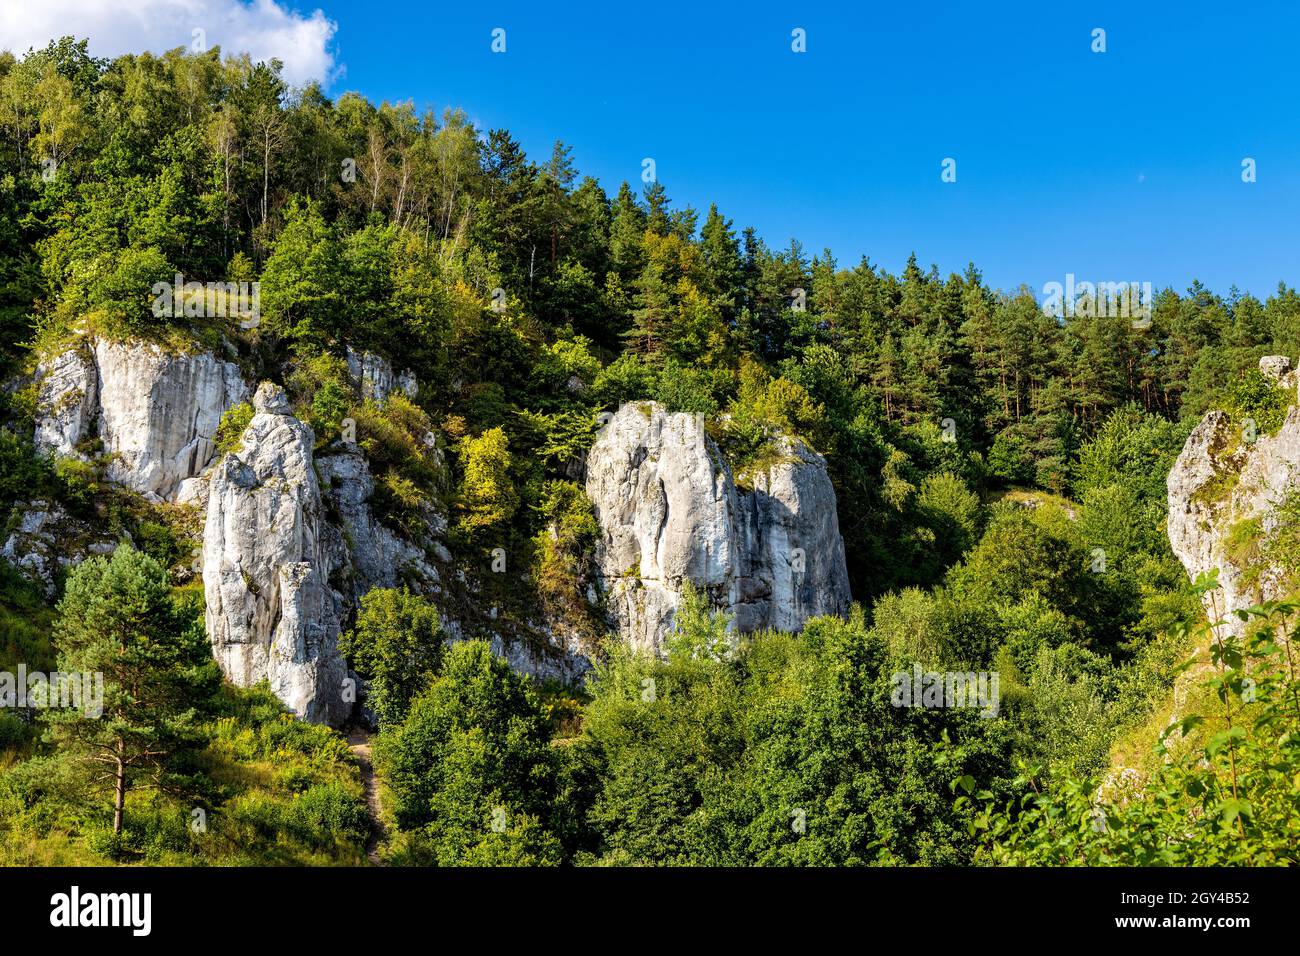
{"points": [[67, 400], [45, 539], [156, 413], [375, 556], [791, 544], [292, 541], [270, 610], [375, 378], [670, 512], [1225, 490]]}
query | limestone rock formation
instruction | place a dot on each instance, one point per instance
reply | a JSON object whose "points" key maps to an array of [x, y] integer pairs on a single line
{"points": [[155, 412], [67, 399], [1225, 491], [46, 538], [270, 610], [292, 541], [795, 556], [375, 377], [670, 512], [374, 554]]}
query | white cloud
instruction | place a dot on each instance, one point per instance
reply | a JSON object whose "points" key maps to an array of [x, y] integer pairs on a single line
{"points": [[261, 28]]}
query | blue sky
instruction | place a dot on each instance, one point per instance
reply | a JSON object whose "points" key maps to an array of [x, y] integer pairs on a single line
{"points": [[1115, 166]]}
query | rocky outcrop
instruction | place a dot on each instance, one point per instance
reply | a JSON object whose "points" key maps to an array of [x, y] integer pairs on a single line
{"points": [[291, 540], [794, 555], [67, 400], [373, 554], [1225, 491], [154, 412], [670, 512], [270, 611], [46, 539], [375, 379]]}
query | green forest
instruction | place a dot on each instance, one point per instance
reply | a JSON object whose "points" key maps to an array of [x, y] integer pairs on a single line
{"points": [[1000, 478]]}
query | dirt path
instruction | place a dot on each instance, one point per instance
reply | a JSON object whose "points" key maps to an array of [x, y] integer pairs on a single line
{"points": [[359, 744]]}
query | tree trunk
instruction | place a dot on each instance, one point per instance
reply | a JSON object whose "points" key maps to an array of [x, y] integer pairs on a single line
{"points": [[119, 797]]}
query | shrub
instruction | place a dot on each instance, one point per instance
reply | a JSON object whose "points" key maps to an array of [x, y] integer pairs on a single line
{"points": [[396, 643], [1254, 397], [625, 379], [488, 498], [231, 428], [327, 813], [564, 567]]}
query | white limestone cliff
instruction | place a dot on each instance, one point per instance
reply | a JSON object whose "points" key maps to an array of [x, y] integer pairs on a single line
{"points": [[670, 512], [375, 379], [270, 610], [1225, 491], [155, 412]]}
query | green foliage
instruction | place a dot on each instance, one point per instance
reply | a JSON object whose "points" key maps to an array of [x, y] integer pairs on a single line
{"points": [[471, 769], [790, 753], [686, 388], [699, 632], [1254, 397], [1132, 448], [952, 512], [487, 498], [626, 379], [117, 618], [118, 290], [564, 564], [764, 409], [272, 790], [1221, 794], [25, 623], [300, 299], [230, 430], [22, 473], [320, 381], [1017, 556], [567, 359], [402, 449], [1010, 461], [79, 482], [397, 644]]}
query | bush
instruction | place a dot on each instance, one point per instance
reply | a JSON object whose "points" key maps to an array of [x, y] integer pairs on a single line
{"points": [[230, 430], [399, 441], [1252, 397], [397, 644], [328, 813], [472, 761], [1010, 461], [23, 474], [685, 388], [564, 566], [120, 285], [488, 498], [626, 379]]}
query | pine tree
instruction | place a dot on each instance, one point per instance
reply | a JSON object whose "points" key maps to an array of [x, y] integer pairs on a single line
{"points": [[117, 619], [722, 266], [656, 201], [627, 227]]}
